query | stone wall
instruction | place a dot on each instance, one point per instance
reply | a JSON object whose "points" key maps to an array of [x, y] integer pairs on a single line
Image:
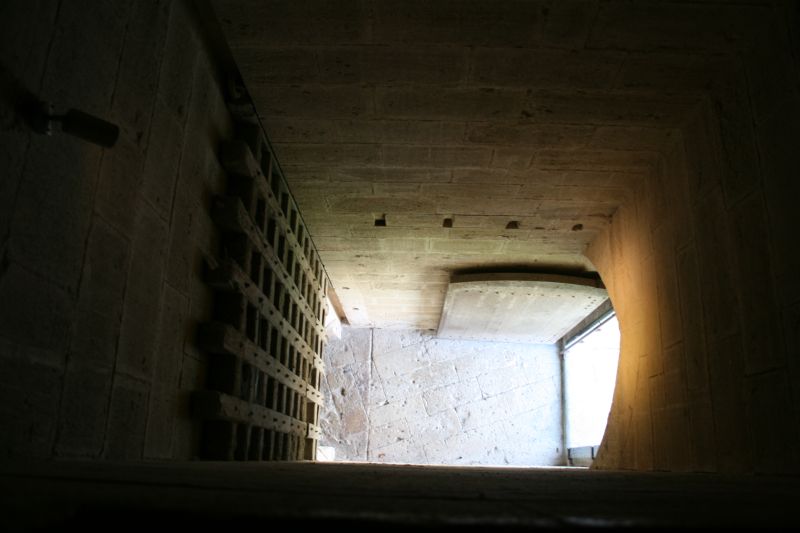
{"points": [[102, 249], [405, 396], [702, 269]]}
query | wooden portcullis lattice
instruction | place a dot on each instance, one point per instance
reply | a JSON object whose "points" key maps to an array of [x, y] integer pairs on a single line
{"points": [[267, 334]]}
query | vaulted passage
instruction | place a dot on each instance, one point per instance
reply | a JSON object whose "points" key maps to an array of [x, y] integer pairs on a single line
{"points": [[165, 274]]}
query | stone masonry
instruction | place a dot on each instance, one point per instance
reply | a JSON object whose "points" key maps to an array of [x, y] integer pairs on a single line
{"points": [[408, 397], [102, 249]]}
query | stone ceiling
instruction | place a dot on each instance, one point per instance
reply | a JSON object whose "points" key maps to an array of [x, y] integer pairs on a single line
{"points": [[483, 113]]}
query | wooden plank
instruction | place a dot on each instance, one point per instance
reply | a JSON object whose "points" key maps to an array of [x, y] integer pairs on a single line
{"points": [[219, 338], [237, 158], [314, 431], [514, 307], [213, 405], [230, 215], [231, 278]]}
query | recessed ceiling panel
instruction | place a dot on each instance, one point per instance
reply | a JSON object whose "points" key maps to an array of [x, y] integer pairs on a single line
{"points": [[510, 307]]}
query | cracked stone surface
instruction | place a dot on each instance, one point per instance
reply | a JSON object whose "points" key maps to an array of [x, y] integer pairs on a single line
{"points": [[407, 397]]}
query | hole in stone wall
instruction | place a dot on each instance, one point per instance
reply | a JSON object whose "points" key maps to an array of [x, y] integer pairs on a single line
{"points": [[512, 225], [447, 223], [380, 221], [435, 399], [590, 362]]}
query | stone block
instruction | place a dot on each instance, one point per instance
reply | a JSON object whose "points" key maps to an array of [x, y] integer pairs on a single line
{"points": [[432, 376], [336, 102], [29, 399], [701, 420], [84, 409], [449, 396], [691, 316], [162, 411], [440, 426], [127, 419], [375, 395], [732, 438], [703, 149], [345, 392], [142, 311], [87, 46], [424, 132], [399, 361], [163, 159], [286, 65], [404, 452], [679, 453], [773, 434], [602, 108], [769, 71], [472, 365], [741, 172], [761, 333], [36, 313], [337, 354], [178, 62], [53, 208], [404, 246], [184, 261], [396, 155], [25, 31], [119, 188], [187, 432], [12, 160], [631, 161], [545, 68], [139, 69], [461, 246], [482, 446], [531, 427], [309, 131], [631, 138], [333, 154], [674, 72], [640, 27], [174, 331], [494, 383], [100, 298], [462, 23], [567, 24], [393, 65], [643, 447], [661, 438], [408, 406], [448, 104], [563, 136], [506, 405], [382, 436], [355, 420], [313, 22], [714, 237]]}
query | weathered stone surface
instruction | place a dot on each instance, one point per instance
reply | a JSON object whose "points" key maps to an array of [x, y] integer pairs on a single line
{"points": [[436, 401], [84, 409], [127, 418], [29, 401], [83, 231], [40, 315], [141, 315], [163, 159]]}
